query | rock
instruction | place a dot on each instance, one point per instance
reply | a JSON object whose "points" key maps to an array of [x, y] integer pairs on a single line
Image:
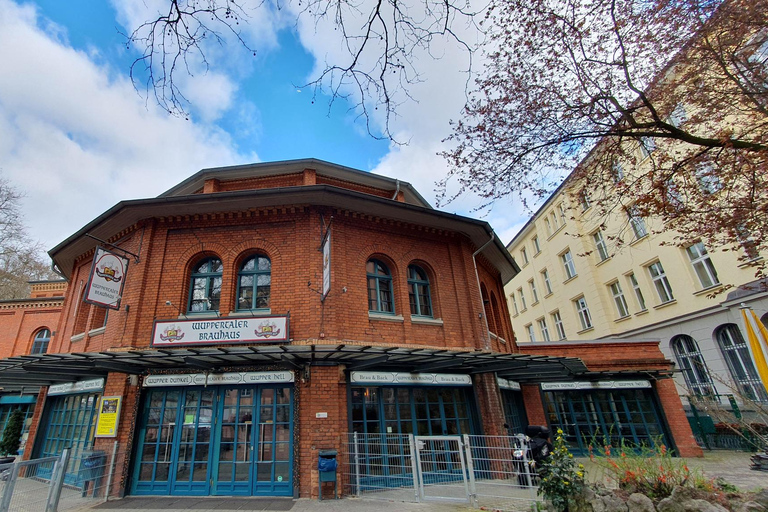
{"points": [[702, 506], [751, 506], [670, 504], [614, 504], [640, 503], [762, 498]]}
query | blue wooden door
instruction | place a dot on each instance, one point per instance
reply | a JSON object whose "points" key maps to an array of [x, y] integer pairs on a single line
{"points": [[235, 441], [254, 442], [174, 443]]}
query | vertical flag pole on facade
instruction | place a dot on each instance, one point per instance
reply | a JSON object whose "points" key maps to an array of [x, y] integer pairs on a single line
{"points": [[757, 341]]}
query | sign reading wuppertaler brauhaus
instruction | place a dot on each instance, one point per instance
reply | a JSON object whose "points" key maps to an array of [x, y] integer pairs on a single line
{"points": [[216, 331], [107, 279]]}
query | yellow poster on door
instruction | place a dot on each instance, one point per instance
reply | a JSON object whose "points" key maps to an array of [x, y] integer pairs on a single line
{"points": [[109, 415]]}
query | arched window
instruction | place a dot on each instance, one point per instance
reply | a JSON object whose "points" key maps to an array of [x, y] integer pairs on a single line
{"points": [[379, 287], [489, 319], [205, 286], [692, 364], [736, 354], [40, 344], [253, 283], [418, 291]]}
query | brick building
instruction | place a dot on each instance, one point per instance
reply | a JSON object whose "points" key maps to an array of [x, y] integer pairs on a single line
{"points": [[268, 310]]}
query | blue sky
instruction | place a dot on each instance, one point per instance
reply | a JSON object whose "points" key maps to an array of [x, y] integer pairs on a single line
{"points": [[77, 138]]}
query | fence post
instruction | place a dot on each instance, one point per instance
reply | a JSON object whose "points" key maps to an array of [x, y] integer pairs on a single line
{"points": [[111, 472], [414, 468], [57, 481], [357, 465], [10, 484], [471, 471]]}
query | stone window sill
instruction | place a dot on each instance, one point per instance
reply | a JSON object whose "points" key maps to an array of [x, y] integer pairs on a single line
{"points": [[97, 332], [77, 337], [372, 315], [425, 320], [665, 304], [250, 313]]}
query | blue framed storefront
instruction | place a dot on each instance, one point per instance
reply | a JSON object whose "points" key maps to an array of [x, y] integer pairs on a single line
{"points": [[385, 407], [605, 412], [223, 434], [515, 417]]}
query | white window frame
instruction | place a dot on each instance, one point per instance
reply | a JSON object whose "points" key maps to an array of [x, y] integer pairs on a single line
{"points": [[660, 282], [563, 215], [568, 265], [514, 303], [638, 292], [582, 310], [534, 291], [584, 201], [553, 218], [637, 222], [618, 298], [548, 225], [521, 294], [547, 282], [524, 256], [559, 327], [702, 265], [709, 183], [602, 249], [543, 328], [678, 116], [647, 146], [531, 333], [536, 245], [617, 171]]}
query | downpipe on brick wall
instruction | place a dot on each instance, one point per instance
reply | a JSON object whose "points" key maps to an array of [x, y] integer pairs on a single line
{"points": [[487, 333]]}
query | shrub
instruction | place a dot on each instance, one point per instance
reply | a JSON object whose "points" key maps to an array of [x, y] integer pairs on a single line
{"points": [[562, 480]]}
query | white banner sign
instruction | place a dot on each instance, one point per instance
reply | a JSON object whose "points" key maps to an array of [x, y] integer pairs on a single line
{"points": [[507, 384], [200, 379], [606, 384], [82, 386], [105, 285], [216, 331], [424, 379], [327, 264]]}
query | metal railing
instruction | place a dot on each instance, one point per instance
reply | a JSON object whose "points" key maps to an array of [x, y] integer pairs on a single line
{"points": [[59, 483], [487, 471]]}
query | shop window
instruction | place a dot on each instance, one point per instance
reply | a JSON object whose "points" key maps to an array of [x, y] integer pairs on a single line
{"points": [[205, 286], [254, 281], [692, 364], [418, 291], [736, 354], [41, 341], [380, 298]]}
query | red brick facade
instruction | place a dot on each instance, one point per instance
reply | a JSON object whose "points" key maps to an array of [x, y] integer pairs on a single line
{"points": [[467, 295]]}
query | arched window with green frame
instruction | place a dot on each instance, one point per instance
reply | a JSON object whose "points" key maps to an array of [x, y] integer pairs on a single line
{"points": [[205, 286], [418, 291], [254, 283], [380, 298]]}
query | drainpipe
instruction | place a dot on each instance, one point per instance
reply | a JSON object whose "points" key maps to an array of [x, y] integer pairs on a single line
{"points": [[397, 189], [487, 333]]}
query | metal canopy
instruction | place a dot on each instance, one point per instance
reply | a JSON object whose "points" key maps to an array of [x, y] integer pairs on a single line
{"points": [[47, 369]]}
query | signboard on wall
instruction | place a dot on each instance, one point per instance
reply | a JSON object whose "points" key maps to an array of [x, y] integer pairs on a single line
{"points": [[232, 378], [109, 415], [217, 331], [423, 379], [107, 279], [83, 386], [507, 384], [603, 384]]}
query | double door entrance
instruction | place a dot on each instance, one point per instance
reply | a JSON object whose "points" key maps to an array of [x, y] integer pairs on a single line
{"points": [[215, 440]]}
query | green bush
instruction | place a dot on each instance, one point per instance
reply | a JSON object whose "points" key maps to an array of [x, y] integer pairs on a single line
{"points": [[562, 479], [9, 445]]}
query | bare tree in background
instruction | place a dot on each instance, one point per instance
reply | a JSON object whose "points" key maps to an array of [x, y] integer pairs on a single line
{"points": [[381, 39], [669, 94], [21, 259]]}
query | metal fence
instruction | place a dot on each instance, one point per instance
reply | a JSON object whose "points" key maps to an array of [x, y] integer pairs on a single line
{"points": [[487, 471], [59, 483]]}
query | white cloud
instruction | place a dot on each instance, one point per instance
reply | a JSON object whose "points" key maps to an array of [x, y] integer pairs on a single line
{"points": [[77, 141]]}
